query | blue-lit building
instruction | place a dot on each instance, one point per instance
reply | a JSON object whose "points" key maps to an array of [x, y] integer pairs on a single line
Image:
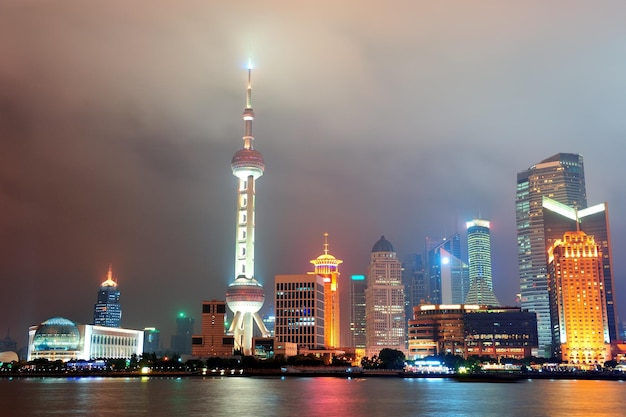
{"points": [[448, 275], [107, 310]]}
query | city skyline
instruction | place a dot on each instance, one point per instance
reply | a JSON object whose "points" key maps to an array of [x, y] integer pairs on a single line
{"points": [[116, 141]]}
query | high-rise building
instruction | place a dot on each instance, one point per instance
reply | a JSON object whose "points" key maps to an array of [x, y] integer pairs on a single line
{"points": [[299, 310], [327, 266], [181, 341], [577, 298], [212, 340], [245, 296], [151, 340], [384, 300], [357, 318], [414, 278], [447, 274], [107, 310], [594, 221], [479, 257], [560, 177]]}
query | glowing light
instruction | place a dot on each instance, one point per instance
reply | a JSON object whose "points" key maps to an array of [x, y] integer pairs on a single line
{"points": [[358, 277], [250, 65], [445, 260]]}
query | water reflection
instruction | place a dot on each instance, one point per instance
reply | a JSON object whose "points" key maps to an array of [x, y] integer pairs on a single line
{"points": [[304, 397]]}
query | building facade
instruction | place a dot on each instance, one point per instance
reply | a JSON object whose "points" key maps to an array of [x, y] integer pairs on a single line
{"points": [[577, 297], [327, 267], [151, 340], [479, 259], [299, 310], [107, 311], [471, 330], [594, 221], [445, 275], [384, 300], [560, 177], [357, 317], [61, 339], [181, 341], [212, 340]]}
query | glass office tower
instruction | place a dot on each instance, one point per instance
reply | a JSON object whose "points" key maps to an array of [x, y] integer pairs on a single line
{"points": [[560, 177]]}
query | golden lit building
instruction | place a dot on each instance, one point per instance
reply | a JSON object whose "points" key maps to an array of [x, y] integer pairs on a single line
{"points": [[327, 267], [580, 329]]}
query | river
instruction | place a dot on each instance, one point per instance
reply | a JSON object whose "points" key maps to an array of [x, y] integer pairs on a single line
{"points": [[307, 397]]}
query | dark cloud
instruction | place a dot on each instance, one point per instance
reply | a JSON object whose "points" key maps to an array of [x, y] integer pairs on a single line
{"points": [[118, 122]]}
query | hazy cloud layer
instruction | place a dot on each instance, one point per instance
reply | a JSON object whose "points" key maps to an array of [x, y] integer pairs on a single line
{"points": [[118, 122]]}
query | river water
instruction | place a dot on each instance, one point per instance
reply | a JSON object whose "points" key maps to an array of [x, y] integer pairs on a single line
{"points": [[304, 397]]}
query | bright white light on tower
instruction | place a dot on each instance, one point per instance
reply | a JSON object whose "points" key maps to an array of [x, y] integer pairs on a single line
{"points": [[445, 260], [250, 66]]}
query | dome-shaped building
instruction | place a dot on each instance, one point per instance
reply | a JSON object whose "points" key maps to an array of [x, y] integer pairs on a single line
{"points": [[58, 334], [383, 245], [61, 339]]}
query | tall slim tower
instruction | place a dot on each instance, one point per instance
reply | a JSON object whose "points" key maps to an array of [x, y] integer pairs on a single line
{"points": [[384, 300], [245, 294], [327, 266], [107, 311], [560, 177], [479, 259]]}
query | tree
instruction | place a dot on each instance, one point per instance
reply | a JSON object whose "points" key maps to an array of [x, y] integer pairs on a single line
{"points": [[391, 358]]}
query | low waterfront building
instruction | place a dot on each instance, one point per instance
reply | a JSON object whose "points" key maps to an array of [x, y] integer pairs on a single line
{"points": [[468, 330], [61, 339]]}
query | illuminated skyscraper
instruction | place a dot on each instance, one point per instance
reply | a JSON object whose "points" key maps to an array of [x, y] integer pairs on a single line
{"points": [[448, 274], [479, 257], [594, 221], [357, 319], [107, 311], [384, 300], [327, 267], [299, 309], [577, 297], [245, 295], [561, 178]]}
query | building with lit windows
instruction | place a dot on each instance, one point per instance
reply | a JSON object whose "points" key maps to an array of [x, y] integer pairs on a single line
{"points": [[327, 267], [212, 340], [560, 177], [594, 221], [577, 298], [245, 295], [107, 310], [357, 317], [471, 330], [61, 339], [479, 259], [299, 310], [384, 300]]}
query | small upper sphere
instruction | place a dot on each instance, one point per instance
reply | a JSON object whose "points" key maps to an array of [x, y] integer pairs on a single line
{"points": [[383, 245], [248, 162]]}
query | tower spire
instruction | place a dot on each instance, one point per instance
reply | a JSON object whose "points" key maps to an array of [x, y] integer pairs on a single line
{"points": [[245, 295], [248, 113]]}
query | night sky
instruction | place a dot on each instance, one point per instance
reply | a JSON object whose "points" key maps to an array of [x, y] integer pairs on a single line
{"points": [[118, 122]]}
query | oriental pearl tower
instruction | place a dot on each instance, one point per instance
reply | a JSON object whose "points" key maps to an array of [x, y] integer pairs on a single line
{"points": [[245, 295]]}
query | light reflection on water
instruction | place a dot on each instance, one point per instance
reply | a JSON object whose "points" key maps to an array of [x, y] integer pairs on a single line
{"points": [[304, 397]]}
